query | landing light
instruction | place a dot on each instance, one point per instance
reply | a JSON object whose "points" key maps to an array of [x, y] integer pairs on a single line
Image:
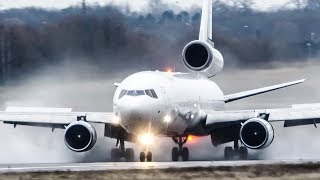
{"points": [[169, 70], [167, 119], [146, 139], [116, 119]]}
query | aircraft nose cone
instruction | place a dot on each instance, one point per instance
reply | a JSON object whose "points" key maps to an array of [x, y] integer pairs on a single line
{"points": [[134, 110], [136, 114]]}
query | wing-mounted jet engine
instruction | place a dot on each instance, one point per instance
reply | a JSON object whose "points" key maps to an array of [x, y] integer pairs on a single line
{"points": [[256, 133], [201, 57], [80, 136]]}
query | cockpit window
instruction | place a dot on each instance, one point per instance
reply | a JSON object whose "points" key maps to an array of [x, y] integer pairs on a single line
{"points": [[151, 93], [148, 92], [122, 93], [154, 94], [135, 93], [139, 93]]}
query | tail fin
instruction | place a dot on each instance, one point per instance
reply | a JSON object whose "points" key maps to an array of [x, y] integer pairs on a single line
{"points": [[206, 21]]}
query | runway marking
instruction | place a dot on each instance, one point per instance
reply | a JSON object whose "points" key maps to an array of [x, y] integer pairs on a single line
{"points": [[138, 165]]}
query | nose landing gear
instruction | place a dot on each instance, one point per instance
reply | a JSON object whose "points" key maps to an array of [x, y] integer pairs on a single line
{"points": [[180, 151], [122, 152], [144, 156]]}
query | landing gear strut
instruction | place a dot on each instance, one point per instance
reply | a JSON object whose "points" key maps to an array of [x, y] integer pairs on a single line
{"points": [[180, 151], [241, 152], [117, 153]]}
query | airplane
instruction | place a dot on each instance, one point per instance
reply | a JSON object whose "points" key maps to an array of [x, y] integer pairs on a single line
{"points": [[173, 105]]}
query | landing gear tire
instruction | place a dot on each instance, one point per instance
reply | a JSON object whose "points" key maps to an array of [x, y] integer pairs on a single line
{"points": [[149, 156], [180, 151], [185, 154], [129, 153], [142, 157], [121, 151], [243, 153], [228, 153], [175, 154], [115, 154]]}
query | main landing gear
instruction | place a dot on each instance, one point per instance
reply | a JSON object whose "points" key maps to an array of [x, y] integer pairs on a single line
{"points": [[180, 151], [241, 152], [122, 152]]}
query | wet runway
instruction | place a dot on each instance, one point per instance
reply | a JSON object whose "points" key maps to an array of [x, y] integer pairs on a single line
{"points": [[108, 166]]}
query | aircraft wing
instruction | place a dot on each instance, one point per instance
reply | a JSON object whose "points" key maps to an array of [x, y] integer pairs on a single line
{"points": [[244, 94], [56, 116], [297, 115], [61, 118]]}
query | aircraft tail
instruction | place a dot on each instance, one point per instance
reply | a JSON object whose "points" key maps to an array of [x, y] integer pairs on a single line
{"points": [[206, 21], [200, 56]]}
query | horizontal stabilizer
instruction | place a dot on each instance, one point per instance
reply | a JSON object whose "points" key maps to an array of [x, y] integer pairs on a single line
{"points": [[245, 94]]}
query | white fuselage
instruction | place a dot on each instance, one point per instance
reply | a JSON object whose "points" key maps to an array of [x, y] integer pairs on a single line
{"points": [[166, 112]]}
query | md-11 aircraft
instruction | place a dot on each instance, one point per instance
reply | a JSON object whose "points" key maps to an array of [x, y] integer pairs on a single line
{"points": [[173, 105]]}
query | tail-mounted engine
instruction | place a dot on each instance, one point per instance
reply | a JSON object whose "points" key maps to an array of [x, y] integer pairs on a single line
{"points": [[80, 136], [200, 56], [256, 133]]}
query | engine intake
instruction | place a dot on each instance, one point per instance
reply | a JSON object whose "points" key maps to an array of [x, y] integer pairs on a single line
{"points": [[256, 133], [200, 56], [80, 136]]}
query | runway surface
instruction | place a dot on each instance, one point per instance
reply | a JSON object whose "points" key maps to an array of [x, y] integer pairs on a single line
{"points": [[110, 166]]}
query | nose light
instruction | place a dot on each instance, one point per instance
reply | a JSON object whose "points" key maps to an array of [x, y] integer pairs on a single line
{"points": [[146, 139], [116, 119], [167, 119]]}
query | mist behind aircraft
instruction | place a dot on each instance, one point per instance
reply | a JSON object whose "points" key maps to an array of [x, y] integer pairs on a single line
{"points": [[61, 87]]}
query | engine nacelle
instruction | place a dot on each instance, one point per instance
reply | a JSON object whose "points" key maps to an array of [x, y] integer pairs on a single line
{"points": [[256, 133], [201, 57], [80, 136]]}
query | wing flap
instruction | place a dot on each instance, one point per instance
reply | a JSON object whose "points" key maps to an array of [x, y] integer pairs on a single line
{"points": [[245, 94]]}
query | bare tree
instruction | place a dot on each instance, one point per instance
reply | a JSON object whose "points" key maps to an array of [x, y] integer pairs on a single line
{"points": [[313, 4], [84, 7], [244, 5]]}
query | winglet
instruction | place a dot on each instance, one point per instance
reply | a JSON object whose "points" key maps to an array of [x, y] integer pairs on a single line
{"points": [[206, 21], [245, 94]]}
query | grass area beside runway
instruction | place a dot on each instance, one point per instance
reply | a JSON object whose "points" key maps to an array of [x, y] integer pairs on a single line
{"points": [[279, 171]]}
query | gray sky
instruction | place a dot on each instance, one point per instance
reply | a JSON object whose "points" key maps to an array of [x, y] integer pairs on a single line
{"points": [[135, 5]]}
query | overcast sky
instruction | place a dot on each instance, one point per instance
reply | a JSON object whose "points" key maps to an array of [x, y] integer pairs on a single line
{"points": [[135, 5]]}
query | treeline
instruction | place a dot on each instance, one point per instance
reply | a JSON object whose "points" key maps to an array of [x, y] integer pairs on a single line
{"points": [[109, 38]]}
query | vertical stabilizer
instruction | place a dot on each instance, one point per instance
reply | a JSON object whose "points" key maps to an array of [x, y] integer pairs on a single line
{"points": [[206, 21]]}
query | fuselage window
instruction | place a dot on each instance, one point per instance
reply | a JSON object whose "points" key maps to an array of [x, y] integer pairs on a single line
{"points": [[122, 93]]}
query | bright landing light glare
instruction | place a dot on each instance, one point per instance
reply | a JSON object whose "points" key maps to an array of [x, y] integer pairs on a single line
{"points": [[167, 119], [146, 139], [116, 119]]}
